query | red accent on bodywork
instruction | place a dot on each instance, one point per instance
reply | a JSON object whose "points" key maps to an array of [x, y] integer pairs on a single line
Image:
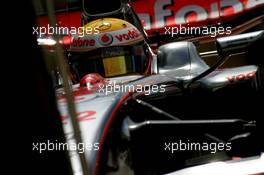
{"points": [[241, 77], [236, 158], [77, 95], [85, 115], [231, 79], [106, 128], [91, 83], [92, 78]]}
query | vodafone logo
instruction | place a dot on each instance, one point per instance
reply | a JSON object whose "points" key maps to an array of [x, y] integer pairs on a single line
{"points": [[129, 35], [241, 77], [159, 13], [125, 36], [83, 42], [106, 39]]}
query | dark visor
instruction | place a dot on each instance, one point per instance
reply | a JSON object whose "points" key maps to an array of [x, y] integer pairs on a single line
{"points": [[111, 61]]}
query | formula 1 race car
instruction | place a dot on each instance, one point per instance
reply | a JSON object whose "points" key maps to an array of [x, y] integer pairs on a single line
{"points": [[146, 113]]}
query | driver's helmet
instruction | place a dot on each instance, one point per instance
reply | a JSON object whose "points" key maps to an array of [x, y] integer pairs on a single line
{"points": [[113, 48]]}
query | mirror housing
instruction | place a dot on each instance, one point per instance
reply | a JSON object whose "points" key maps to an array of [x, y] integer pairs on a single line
{"points": [[181, 60], [237, 43]]}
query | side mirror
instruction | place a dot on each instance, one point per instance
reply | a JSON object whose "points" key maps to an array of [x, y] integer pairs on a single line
{"points": [[181, 60], [237, 43]]}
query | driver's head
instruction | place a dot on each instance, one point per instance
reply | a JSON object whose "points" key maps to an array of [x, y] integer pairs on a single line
{"points": [[111, 47]]}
